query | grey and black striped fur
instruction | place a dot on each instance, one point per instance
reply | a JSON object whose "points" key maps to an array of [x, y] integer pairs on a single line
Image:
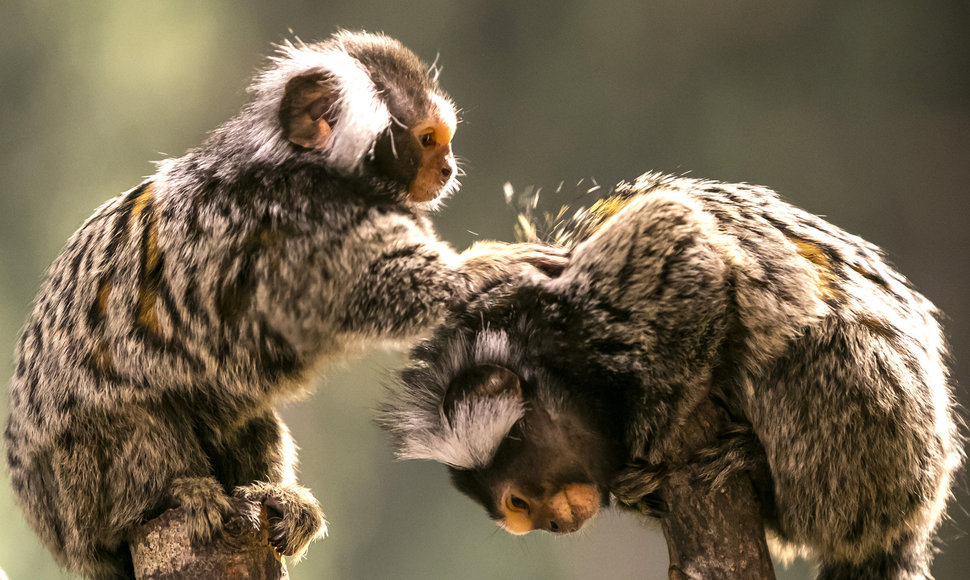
{"points": [[181, 313], [678, 289]]}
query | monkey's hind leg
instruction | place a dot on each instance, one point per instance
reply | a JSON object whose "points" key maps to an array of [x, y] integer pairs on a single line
{"points": [[205, 504], [259, 465], [908, 560], [295, 517]]}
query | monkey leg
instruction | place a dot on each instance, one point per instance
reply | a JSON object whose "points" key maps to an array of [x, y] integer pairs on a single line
{"points": [[295, 517], [69, 525], [907, 560], [258, 462], [206, 506], [105, 475]]}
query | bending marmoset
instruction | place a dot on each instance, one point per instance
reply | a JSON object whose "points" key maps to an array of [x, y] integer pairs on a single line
{"points": [[182, 311], [547, 397]]}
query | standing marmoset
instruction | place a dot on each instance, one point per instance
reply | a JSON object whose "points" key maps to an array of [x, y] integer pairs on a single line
{"points": [[182, 311], [547, 397]]}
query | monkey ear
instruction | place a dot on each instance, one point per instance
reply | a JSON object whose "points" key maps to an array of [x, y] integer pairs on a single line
{"points": [[482, 381], [306, 111]]}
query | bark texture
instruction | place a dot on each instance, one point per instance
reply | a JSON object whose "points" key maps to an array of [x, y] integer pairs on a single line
{"points": [[712, 533], [160, 549]]}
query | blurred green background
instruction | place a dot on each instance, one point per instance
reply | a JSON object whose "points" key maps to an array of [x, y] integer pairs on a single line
{"points": [[859, 111]]}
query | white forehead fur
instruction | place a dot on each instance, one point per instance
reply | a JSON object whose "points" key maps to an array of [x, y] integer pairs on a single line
{"points": [[446, 109], [362, 114]]}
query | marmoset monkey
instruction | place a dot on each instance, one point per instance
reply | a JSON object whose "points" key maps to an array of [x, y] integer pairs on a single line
{"points": [[545, 397], [184, 310]]}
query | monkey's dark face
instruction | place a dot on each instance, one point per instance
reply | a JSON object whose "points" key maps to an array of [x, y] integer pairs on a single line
{"points": [[550, 472], [418, 156], [374, 112]]}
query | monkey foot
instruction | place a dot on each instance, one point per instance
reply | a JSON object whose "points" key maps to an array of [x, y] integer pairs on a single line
{"points": [[293, 514]]}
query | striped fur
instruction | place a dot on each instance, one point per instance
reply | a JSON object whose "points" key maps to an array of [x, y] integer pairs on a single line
{"points": [[182, 311], [680, 289]]}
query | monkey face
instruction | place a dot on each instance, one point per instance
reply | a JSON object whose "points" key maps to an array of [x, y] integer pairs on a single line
{"points": [[437, 168], [420, 158], [549, 473]]}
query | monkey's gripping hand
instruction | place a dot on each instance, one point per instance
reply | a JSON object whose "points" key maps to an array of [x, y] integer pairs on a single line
{"points": [[295, 518], [736, 449], [636, 488], [490, 263]]}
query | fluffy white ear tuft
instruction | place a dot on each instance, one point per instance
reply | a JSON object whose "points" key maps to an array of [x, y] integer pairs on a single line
{"points": [[361, 116], [461, 431], [470, 438], [356, 112]]}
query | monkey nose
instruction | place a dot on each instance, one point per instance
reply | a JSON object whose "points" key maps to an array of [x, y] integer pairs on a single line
{"points": [[563, 525]]}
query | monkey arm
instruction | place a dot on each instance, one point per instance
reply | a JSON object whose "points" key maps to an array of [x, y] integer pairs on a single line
{"points": [[399, 288], [405, 287]]}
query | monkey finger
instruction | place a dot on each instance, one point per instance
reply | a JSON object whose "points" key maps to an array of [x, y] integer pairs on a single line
{"points": [[274, 509], [550, 260], [551, 266]]}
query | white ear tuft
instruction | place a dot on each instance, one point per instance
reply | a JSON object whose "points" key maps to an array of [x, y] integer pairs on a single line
{"points": [[477, 425], [361, 116], [472, 436]]}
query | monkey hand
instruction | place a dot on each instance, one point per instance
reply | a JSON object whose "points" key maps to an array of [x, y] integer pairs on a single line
{"points": [[295, 518], [496, 262], [635, 488], [736, 449]]}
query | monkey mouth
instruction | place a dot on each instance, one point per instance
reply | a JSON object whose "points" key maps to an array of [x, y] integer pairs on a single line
{"points": [[430, 188]]}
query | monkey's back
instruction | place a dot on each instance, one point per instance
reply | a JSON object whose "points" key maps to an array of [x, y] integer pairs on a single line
{"points": [[125, 312], [154, 324], [838, 364]]}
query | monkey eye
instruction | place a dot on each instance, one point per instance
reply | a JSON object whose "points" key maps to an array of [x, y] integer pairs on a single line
{"points": [[427, 139], [518, 503]]}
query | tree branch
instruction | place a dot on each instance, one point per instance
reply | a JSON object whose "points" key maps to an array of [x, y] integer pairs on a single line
{"points": [[160, 549], [711, 533]]}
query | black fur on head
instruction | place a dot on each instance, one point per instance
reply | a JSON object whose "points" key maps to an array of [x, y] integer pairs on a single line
{"points": [[427, 420]]}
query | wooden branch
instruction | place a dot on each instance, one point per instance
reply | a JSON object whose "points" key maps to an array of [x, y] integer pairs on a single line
{"points": [[711, 533], [160, 549]]}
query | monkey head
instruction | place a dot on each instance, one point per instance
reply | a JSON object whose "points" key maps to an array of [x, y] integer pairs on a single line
{"points": [[548, 471], [361, 107], [534, 453]]}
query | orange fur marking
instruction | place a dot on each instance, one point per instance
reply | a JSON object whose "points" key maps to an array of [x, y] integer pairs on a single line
{"points": [[148, 296], [825, 276], [142, 201], [104, 291], [152, 254], [102, 357], [147, 316]]}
